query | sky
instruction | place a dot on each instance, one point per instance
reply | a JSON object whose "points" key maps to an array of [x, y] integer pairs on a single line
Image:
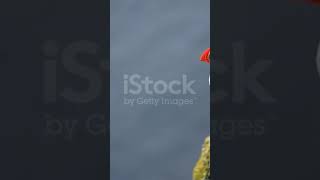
{"points": [[161, 41]]}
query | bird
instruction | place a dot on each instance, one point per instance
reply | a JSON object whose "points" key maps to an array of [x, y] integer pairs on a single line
{"points": [[201, 170]]}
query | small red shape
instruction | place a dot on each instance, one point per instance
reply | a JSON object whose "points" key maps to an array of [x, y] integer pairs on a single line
{"points": [[205, 56]]}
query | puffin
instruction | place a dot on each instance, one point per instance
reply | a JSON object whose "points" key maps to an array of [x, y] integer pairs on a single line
{"points": [[201, 170]]}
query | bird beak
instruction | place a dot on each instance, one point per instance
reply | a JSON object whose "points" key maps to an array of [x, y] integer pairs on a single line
{"points": [[205, 56]]}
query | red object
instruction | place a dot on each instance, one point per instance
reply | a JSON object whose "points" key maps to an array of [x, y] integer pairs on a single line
{"points": [[205, 56]]}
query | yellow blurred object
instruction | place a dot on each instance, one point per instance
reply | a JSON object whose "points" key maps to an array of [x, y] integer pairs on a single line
{"points": [[202, 169]]}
